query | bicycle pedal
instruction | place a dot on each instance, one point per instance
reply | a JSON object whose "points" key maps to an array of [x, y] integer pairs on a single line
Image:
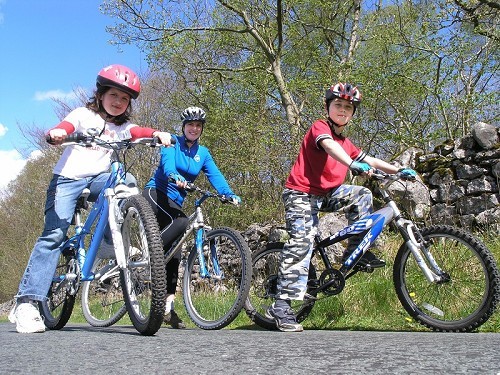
{"points": [[364, 268]]}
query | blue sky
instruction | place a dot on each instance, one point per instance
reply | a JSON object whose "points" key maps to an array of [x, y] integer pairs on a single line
{"points": [[48, 48]]}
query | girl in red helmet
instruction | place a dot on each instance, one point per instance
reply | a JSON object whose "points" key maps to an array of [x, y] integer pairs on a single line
{"points": [[79, 167], [316, 183]]}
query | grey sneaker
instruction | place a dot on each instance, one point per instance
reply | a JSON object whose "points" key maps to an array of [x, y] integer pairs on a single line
{"points": [[27, 318], [173, 320], [285, 318]]}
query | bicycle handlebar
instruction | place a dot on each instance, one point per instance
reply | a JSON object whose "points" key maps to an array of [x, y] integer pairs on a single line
{"points": [[223, 198], [377, 174], [190, 187], [87, 140], [73, 138]]}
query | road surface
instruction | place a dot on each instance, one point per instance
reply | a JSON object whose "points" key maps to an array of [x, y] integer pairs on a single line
{"points": [[81, 349]]}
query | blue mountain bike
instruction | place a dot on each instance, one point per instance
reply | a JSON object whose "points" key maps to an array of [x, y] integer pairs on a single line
{"points": [[445, 278], [135, 271]]}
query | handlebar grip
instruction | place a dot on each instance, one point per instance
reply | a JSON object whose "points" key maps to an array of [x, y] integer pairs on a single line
{"points": [[156, 141], [73, 137], [49, 140], [76, 137]]}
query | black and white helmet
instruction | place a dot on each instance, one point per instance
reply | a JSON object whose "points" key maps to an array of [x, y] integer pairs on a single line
{"points": [[193, 114]]}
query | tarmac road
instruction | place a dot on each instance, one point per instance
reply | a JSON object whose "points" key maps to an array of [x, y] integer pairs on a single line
{"points": [[82, 349]]}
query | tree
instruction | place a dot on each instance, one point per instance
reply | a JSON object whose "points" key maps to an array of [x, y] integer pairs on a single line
{"points": [[484, 15], [260, 70]]}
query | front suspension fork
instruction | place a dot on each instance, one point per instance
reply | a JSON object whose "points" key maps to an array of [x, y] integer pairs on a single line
{"points": [[420, 251], [202, 247]]}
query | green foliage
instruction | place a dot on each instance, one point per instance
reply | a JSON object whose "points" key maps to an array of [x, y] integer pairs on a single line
{"points": [[21, 220], [260, 70]]}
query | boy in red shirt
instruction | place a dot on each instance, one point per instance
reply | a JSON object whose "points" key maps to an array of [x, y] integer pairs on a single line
{"points": [[315, 184]]}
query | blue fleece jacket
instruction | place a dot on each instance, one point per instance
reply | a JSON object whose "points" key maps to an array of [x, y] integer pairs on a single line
{"points": [[188, 162]]}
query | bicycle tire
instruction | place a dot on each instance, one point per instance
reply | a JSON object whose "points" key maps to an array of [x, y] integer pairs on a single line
{"points": [[102, 298], [467, 300], [265, 266], [214, 302], [144, 279], [58, 307]]}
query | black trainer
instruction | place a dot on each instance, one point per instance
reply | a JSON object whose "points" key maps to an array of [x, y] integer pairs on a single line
{"points": [[173, 320], [283, 315]]}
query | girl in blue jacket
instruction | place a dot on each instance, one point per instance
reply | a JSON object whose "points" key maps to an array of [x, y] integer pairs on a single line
{"points": [[165, 192]]}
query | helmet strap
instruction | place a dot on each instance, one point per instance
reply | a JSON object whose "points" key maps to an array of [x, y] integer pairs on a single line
{"points": [[332, 126]]}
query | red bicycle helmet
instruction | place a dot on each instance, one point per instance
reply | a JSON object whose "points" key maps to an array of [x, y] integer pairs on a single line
{"points": [[343, 91], [120, 77]]}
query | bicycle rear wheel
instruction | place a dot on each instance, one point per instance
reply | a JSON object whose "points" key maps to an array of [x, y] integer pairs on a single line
{"points": [[213, 301], [143, 280], [102, 298], [468, 296], [262, 293], [57, 309]]}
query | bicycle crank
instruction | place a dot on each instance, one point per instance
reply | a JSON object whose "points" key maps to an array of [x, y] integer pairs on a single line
{"points": [[332, 282]]}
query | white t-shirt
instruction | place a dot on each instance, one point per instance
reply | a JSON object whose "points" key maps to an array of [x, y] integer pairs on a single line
{"points": [[78, 162]]}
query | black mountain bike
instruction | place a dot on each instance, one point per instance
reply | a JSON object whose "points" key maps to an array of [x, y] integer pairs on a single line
{"points": [[445, 278]]}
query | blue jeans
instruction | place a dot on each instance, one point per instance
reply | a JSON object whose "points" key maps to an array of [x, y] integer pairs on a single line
{"points": [[62, 195]]}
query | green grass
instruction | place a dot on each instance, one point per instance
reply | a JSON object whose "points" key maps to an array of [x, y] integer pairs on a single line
{"points": [[368, 302]]}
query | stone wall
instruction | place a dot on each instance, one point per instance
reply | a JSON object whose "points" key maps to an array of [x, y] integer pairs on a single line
{"points": [[463, 178]]}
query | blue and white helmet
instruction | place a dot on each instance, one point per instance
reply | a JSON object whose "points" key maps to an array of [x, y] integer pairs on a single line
{"points": [[193, 114]]}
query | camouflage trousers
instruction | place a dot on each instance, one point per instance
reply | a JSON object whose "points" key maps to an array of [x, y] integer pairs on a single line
{"points": [[301, 215]]}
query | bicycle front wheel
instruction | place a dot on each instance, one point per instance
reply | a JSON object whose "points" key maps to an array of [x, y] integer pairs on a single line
{"points": [[213, 300], [57, 308], [467, 296], [266, 263], [102, 298], [144, 279]]}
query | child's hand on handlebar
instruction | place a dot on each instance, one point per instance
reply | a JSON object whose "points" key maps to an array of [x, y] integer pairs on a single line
{"points": [[56, 136], [407, 173], [359, 168], [179, 180], [236, 199]]}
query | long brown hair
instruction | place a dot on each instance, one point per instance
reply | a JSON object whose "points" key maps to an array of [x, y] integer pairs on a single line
{"points": [[95, 105]]}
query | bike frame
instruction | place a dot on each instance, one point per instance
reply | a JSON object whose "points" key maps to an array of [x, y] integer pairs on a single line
{"points": [[372, 225], [196, 223], [105, 210]]}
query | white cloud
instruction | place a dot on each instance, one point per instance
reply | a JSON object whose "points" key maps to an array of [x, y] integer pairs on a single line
{"points": [[3, 128], [12, 163], [54, 94]]}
